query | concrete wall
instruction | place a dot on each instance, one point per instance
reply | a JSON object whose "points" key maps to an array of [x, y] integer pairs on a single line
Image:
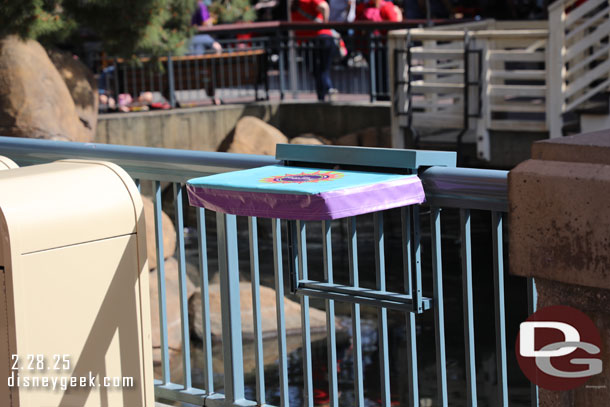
{"points": [[204, 128]]}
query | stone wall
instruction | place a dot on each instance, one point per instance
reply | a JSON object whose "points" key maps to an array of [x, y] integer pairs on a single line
{"points": [[560, 236], [205, 128]]}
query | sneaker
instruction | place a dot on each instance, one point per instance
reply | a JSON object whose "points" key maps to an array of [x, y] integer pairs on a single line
{"points": [[332, 94]]}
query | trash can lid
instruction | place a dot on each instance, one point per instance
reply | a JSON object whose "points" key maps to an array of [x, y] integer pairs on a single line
{"points": [[299, 193]]}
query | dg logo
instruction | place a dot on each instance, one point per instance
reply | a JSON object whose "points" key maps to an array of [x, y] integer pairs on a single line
{"points": [[559, 348]]}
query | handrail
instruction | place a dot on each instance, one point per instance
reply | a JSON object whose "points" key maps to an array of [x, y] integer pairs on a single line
{"points": [[466, 188], [448, 187], [161, 164], [274, 26], [433, 34]]}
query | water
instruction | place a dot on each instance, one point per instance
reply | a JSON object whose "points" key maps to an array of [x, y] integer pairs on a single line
{"points": [[516, 307]]}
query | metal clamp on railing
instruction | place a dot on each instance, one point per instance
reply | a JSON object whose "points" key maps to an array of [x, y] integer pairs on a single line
{"points": [[321, 183]]}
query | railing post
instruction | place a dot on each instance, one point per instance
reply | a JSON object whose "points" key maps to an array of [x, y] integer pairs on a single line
{"points": [[292, 64], [170, 81], [555, 71], [372, 87], [282, 68], [228, 267], [483, 122]]}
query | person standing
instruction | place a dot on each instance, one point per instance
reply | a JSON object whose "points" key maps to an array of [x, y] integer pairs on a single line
{"points": [[342, 10], [202, 42], [324, 42]]}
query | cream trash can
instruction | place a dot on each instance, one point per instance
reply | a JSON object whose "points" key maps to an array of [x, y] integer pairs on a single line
{"points": [[7, 163], [74, 299]]}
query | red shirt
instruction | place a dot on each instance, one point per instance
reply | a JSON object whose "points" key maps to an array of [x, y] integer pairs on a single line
{"points": [[307, 10], [387, 11], [368, 12]]}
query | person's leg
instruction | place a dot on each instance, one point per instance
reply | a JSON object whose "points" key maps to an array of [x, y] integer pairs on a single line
{"points": [[203, 42], [317, 66], [326, 50]]}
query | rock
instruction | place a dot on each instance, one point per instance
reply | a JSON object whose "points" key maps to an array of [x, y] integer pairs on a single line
{"points": [[368, 137], [308, 138], [34, 99], [169, 234], [292, 312], [351, 139], [82, 86], [254, 136], [172, 295]]}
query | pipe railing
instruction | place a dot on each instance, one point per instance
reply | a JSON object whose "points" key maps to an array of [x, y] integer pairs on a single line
{"points": [[461, 188]]}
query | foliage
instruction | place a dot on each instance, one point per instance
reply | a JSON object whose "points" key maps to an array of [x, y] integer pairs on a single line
{"points": [[231, 11], [124, 26]]}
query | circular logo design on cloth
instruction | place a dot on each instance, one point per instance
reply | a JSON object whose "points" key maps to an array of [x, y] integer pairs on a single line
{"points": [[303, 177], [559, 348]]}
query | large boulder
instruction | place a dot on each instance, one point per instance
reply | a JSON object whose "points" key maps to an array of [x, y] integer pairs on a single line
{"points": [[34, 99], [174, 337], [292, 314], [169, 234], [254, 136], [367, 137], [309, 139], [82, 86]]}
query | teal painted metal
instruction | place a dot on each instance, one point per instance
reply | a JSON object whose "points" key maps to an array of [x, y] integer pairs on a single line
{"points": [[450, 187], [184, 312], [352, 253], [146, 163], [382, 313], [532, 302], [305, 329], [208, 372], [467, 188], [228, 266], [471, 373], [276, 225], [364, 157], [418, 305], [439, 308], [161, 284], [412, 379], [256, 310], [331, 340], [500, 319], [173, 391]]}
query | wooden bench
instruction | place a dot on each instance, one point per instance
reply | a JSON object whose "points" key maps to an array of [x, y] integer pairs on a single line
{"points": [[229, 69]]}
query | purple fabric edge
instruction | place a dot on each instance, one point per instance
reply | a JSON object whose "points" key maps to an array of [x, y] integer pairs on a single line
{"points": [[325, 206]]}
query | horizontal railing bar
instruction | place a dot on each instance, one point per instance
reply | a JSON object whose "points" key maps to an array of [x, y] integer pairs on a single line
{"points": [[360, 291], [444, 186], [160, 164], [275, 26], [177, 392], [356, 299], [466, 188]]}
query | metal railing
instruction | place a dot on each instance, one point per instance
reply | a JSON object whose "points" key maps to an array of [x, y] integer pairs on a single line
{"points": [[468, 191], [276, 61]]}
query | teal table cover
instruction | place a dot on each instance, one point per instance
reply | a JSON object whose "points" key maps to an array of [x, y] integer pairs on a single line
{"points": [[299, 193]]}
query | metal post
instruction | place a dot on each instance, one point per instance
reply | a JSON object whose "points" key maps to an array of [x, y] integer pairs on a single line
{"points": [[170, 81], [228, 267], [282, 47], [372, 87], [292, 64], [532, 302]]}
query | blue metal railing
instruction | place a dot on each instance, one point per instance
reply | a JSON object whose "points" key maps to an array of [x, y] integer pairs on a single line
{"points": [[461, 188]]}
